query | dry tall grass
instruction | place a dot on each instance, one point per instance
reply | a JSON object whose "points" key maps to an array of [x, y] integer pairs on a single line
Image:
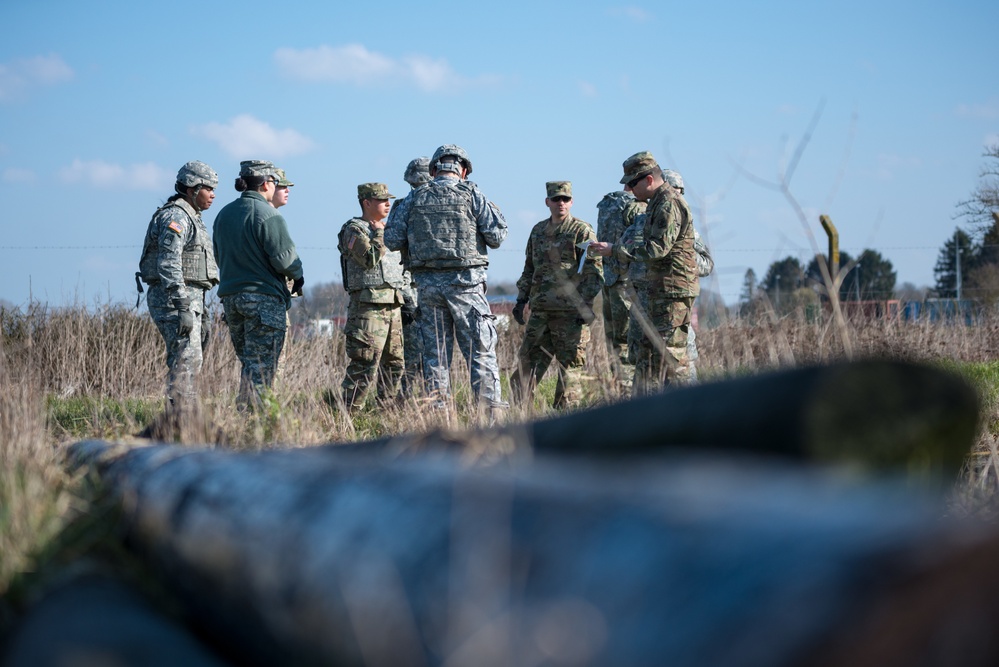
{"points": [[72, 373]]}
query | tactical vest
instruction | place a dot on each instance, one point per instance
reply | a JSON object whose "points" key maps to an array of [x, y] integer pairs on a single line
{"points": [[442, 231], [387, 273], [676, 273], [610, 226], [197, 258]]}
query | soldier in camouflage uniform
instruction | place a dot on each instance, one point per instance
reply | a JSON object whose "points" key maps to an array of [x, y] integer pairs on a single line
{"points": [[560, 283], [179, 266], [373, 277], [417, 174], [616, 212], [667, 249], [256, 257], [443, 230]]}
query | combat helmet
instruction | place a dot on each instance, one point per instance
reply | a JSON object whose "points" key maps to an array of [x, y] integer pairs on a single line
{"points": [[673, 178], [453, 151], [417, 171], [195, 174]]}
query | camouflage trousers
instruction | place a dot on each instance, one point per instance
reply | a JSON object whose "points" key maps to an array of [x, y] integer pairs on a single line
{"points": [[375, 349], [552, 336], [452, 314], [184, 354], [617, 313], [660, 359], [257, 327], [412, 352]]}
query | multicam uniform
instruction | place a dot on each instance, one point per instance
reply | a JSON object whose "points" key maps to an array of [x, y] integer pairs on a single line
{"points": [[256, 256], [178, 264], [617, 212], [667, 250], [558, 293], [444, 229], [373, 277]]}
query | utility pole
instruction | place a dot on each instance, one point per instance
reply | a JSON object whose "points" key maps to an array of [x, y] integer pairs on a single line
{"points": [[957, 262], [856, 281]]}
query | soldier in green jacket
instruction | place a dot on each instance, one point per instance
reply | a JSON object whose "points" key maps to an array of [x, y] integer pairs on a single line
{"points": [[559, 282], [256, 257], [373, 276]]}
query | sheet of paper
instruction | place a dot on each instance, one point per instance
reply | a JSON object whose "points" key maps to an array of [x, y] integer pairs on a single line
{"points": [[584, 246]]}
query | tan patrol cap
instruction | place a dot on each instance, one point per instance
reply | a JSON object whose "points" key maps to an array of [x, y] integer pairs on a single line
{"points": [[559, 189], [373, 191]]}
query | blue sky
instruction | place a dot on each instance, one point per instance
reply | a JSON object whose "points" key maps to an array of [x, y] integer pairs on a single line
{"points": [[102, 102]]}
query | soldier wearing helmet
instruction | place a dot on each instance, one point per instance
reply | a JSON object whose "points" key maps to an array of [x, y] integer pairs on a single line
{"points": [[256, 258], [179, 266], [444, 230], [417, 174]]}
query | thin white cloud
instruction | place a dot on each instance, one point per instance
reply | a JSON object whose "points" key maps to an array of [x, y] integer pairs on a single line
{"points": [[142, 176], [17, 175], [19, 76], [587, 89], [983, 110], [248, 138], [631, 12], [356, 65], [889, 164]]}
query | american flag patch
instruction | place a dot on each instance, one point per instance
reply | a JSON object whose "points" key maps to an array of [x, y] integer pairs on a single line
{"points": [[350, 243], [174, 226]]}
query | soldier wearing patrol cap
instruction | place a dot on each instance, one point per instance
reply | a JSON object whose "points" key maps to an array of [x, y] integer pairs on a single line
{"points": [[444, 230], [179, 266], [560, 282], [373, 277], [666, 249], [256, 257]]}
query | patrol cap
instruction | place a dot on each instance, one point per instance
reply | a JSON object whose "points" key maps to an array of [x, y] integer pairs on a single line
{"points": [[559, 189], [638, 165], [257, 168], [283, 181], [373, 191], [417, 171]]}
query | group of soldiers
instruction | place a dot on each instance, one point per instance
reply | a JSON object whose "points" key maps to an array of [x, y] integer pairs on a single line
{"points": [[415, 272]]}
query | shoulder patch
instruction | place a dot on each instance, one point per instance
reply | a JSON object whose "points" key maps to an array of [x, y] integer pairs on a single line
{"points": [[350, 243], [174, 226]]}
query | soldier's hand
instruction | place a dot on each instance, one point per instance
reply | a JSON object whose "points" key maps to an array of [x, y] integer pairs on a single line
{"points": [[185, 324], [518, 312], [298, 287], [408, 315]]}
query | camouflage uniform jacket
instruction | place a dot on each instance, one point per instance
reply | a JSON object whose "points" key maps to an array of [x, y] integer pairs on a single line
{"points": [[255, 253], [446, 226], [371, 272], [617, 212], [667, 245], [551, 279], [177, 249]]}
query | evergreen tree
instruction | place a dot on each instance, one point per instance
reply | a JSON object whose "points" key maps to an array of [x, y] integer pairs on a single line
{"points": [[813, 274], [875, 275], [784, 276], [748, 294], [945, 271]]}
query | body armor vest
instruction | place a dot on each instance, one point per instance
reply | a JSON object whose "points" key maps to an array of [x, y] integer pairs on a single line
{"points": [[442, 231], [197, 257], [387, 273]]}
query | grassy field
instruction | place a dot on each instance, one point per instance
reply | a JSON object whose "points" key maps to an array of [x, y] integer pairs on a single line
{"points": [[78, 373]]}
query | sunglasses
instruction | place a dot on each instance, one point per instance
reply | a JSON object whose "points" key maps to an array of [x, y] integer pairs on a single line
{"points": [[635, 181], [562, 199]]}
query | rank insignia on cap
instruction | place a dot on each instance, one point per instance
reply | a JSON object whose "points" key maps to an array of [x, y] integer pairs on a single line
{"points": [[174, 226]]}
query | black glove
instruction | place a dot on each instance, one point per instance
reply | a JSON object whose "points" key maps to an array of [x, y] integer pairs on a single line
{"points": [[409, 315], [298, 287], [206, 329], [518, 312], [185, 323]]}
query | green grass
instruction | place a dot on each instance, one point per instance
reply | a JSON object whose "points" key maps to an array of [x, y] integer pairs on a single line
{"points": [[87, 416]]}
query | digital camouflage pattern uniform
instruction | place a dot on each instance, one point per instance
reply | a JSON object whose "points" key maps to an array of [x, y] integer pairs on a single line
{"points": [[444, 230], [616, 212], [256, 258], [417, 174], [179, 266], [667, 250], [559, 295], [373, 277]]}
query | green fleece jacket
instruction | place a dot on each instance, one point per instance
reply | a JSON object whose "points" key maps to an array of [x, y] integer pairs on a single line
{"points": [[253, 249]]}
